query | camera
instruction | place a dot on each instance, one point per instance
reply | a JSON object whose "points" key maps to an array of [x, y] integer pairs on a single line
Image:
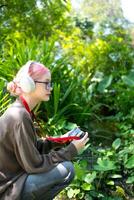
{"points": [[76, 131]]}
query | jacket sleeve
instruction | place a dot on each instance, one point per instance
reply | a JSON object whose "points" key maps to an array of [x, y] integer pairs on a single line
{"points": [[45, 146], [27, 153]]}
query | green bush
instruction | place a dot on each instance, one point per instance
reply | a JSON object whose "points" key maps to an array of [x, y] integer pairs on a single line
{"points": [[101, 102]]}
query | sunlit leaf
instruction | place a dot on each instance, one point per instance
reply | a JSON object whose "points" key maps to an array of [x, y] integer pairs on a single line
{"points": [[116, 144], [104, 83], [104, 165], [86, 186], [130, 180], [90, 177], [130, 162], [129, 79]]}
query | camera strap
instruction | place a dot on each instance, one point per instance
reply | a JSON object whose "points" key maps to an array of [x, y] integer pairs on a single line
{"points": [[53, 139], [34, 118]]}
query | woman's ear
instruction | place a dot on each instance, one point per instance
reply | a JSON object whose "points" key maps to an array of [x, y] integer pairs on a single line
{"points": [[27, 84]]}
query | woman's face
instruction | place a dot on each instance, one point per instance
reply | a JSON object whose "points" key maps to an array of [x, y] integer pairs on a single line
{"points": [[43, 88]]}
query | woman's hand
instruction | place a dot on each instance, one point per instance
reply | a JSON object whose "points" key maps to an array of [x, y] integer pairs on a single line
{"points": [[80, 144]]}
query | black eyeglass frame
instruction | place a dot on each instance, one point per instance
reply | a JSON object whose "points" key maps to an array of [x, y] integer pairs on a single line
{"points": [[49, 85]]}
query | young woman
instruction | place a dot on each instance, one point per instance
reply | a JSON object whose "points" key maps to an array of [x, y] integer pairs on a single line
{"points": [[31, 168]]}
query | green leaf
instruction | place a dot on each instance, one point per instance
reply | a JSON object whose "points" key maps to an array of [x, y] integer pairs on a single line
{"points": [[81, 195], [88, 197], [116, 176], [130, 179], [104, 83], [91, 88], [129, 79], [104, 165], [116, 144], [67, 93], [76, 191], [79, 171], [70, 193], [90, 177], [56, 97], [130, 162], [86, 186], [110, 183]]}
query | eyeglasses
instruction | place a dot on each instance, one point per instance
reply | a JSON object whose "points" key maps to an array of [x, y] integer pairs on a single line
{"points": [[48, 85]]}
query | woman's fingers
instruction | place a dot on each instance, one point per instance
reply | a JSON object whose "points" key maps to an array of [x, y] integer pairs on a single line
{"points": [[85, 136]]}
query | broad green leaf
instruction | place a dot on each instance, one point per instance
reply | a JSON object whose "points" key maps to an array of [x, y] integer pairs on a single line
{"points": [[86, 186], [116, 176], [115, 56], [104, 83], [90, 177], [110, 183], [97, 77], [88, 197], [69, 126], [130, 179], [116, 144], [81, 195], [130, 162], [79, 171], [129, 79], [91, 88], [104, 165], [70, 193], [76, 191]]}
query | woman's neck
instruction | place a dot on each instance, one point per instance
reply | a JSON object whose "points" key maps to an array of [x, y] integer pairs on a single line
{"points": [[30, 101]]}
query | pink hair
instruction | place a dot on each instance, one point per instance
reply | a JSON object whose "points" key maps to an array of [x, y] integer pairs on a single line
{"points": [[36, 70], [32, 68]]}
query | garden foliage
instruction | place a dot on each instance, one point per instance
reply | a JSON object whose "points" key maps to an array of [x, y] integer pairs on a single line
{"points": [[93, 75]]}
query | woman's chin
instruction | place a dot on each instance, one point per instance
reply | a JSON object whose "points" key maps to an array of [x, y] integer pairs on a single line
{"points": [[47, 98]]}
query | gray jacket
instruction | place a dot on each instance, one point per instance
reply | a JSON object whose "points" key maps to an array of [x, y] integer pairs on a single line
{"points": [[22, 153]]}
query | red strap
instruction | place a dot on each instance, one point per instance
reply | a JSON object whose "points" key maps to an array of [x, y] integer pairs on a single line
{"points": [[25, 104], [63, 139], [53, 139], [28, 109]]}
